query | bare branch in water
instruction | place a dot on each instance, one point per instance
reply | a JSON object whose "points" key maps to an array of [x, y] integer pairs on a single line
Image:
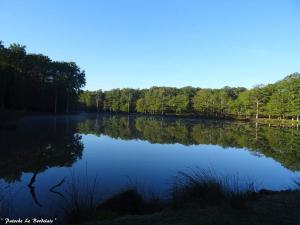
{"points": [[52, 189]]}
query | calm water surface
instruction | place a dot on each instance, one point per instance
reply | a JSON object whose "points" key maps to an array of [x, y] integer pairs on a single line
{"points": [[119, 150]]}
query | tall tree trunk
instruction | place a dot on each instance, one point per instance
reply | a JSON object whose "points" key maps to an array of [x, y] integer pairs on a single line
{"points": [[128, 104], [256, 128], [97, 104], [55, 102], [257, 108], [162, 106], [297, 118]]}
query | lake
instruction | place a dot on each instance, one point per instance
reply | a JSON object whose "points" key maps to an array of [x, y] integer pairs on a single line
{"points": [[44, 157]]}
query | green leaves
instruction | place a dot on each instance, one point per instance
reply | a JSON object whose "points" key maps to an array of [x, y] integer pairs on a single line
{"points": [[281, 99], [36, 83]]}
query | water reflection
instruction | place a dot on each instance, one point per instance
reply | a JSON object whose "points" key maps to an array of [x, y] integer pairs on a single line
{"points": [[36, 155], [36, 145], [41, 143], [282, 144]]}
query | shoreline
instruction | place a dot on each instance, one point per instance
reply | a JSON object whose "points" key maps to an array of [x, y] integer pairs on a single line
{"points": [[9, 116], [273, 209], [129, 207], [278, 122]]}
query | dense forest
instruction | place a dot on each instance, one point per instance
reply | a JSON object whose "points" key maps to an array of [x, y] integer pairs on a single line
{"points": [[279, 100], [33, 82]]}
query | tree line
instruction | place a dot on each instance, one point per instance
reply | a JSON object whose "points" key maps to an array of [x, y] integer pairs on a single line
{"points": [[34, 82], [279, 100]]}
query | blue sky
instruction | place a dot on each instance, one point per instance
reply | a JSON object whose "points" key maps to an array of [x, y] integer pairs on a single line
{"points": [[144, 43]]}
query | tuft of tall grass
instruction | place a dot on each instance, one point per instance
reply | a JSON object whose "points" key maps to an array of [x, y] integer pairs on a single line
{"points": [[81, 200], [199, 188], [297, 183], [203, 188], [83, 203]]}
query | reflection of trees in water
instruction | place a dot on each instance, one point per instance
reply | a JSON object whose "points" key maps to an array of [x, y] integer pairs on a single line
{"points": [[37, 145], [281, 144]]}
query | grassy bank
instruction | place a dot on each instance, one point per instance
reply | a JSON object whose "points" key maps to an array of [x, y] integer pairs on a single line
{"points": [[197, 198], [275, 209]]}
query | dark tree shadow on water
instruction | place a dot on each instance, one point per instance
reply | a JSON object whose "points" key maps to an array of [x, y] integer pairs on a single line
{"points": [[32, 189], [52, 189]]}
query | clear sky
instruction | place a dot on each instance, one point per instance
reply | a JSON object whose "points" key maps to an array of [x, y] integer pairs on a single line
{"points": [[144, 43]]}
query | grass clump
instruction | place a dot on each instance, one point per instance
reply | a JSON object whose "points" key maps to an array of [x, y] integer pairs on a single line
{"points": [[127, 202], [131, 202], [81, 201], [200, 189], [203, 188]]}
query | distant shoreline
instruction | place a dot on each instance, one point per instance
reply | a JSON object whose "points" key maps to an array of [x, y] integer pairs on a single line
{"points": [[9, 116]]}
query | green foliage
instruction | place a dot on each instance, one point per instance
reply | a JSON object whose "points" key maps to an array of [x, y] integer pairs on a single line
{"points": [[33, 82], [203, 101], [280, 100], [91, 100]]}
